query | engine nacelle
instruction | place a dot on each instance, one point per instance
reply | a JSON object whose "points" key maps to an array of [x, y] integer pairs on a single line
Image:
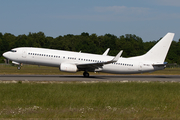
{"points": [[65, 67]]}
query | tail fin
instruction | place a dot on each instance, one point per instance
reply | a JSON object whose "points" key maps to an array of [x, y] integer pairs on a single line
{"points": [[157, 54]]}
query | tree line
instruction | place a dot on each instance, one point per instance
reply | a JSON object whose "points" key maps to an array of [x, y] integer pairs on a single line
{"points": [[131, 44]]}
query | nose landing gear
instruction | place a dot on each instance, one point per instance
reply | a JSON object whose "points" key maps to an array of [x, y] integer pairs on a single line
{"points": [[19, 66]]}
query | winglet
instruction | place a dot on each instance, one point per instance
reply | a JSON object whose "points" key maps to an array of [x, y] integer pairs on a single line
{"points": [[106, 52], [115, 59]]}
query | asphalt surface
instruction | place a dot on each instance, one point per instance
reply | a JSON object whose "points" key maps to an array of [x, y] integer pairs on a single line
{"points": [[71, 78]]}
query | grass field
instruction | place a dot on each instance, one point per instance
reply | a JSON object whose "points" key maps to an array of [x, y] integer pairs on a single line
{"points": [[76, 100], [131, 100], [42, 70]]}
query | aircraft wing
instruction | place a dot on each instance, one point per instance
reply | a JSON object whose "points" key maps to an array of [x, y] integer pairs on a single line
{"points": [[98, 65]]}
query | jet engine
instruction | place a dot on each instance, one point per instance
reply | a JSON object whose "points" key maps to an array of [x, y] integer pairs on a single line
{"points": [[65, 67]]}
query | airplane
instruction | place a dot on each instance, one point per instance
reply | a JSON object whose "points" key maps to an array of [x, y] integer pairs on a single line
{"points": [[68, 61]]}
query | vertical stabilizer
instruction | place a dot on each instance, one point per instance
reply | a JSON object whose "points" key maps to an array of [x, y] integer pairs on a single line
{"points": [[157, 54]]}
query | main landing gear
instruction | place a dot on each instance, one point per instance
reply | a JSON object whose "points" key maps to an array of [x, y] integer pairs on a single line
{"points": [[86, 74]]}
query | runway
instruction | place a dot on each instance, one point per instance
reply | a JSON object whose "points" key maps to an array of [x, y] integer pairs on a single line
{"points": [[110, 78]]}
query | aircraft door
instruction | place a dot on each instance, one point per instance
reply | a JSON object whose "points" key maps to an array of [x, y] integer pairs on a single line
{"points": [[140, 66], [24, 54]]}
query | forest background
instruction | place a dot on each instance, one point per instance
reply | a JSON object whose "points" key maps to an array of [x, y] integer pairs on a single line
{"points": [[131, 44]]}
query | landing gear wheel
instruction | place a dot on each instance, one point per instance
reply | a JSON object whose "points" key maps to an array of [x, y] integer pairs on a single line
{"points": [[19, 67], [86, 74]]}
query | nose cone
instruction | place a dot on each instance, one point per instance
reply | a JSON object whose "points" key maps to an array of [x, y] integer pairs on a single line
{"points": [[6, 54]]}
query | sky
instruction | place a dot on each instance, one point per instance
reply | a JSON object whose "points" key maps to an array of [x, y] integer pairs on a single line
{"points": [[148, 19]]}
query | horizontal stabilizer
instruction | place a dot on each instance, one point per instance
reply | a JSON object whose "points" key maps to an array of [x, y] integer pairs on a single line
{"points": [[165, 63]]}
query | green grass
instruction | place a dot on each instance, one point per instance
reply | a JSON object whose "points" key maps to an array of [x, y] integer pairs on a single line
{"points": [[42, 70], [134, 100]]}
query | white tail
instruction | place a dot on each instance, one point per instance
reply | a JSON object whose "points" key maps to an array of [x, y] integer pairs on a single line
{"points": [[157, 54]]}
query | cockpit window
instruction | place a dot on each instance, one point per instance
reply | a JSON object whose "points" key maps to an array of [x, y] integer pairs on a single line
{"points": [[13, 51]]}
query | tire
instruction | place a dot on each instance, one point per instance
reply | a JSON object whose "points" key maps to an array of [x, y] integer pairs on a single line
{"points": [[19, 67], [86, 74]]}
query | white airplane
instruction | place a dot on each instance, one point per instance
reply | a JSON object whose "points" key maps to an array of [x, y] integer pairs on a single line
{"points": [[76, 61]]}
